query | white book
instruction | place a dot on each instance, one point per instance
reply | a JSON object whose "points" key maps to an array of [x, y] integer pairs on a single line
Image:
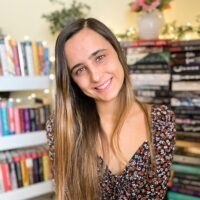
{"points": [[21, 58], [186, 86], [4, 61], [29, 57]]}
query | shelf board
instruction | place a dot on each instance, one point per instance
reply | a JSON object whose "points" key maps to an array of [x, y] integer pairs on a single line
{"points": [[28, 192], [22, 140], [9, 83]]}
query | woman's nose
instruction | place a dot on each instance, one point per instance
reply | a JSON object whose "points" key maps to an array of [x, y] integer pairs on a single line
{"points": [[95, 74]]}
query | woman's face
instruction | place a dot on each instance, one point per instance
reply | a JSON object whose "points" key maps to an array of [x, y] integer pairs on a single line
{"points": [[94, 65]]}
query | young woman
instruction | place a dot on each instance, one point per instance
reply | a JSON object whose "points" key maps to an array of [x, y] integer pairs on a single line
{"points": [[104, 144]]}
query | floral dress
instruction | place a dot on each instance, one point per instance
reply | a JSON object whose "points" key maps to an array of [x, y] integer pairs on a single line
{"points": [[137, 181]]}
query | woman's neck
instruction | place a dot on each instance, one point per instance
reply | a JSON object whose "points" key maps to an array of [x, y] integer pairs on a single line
{"points": [[108, 111]]}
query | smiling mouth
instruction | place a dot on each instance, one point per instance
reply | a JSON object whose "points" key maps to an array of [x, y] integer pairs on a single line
{"points": [[104, 85]]}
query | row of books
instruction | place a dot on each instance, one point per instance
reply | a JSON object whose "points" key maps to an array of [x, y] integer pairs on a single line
{"points": [[23, 167], [150, 72], [23, 58], [17, 120]]}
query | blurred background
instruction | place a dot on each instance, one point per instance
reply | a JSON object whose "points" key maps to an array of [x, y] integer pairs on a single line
{"points": [[162, 46]]}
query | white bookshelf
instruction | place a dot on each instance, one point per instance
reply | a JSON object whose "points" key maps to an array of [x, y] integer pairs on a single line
{"points": [[25, 140], [9, 83], [22, 140], [28, 192]]}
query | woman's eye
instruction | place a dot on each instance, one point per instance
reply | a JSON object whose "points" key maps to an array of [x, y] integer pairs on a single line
{"points": [[99, 58], [80, 70]]}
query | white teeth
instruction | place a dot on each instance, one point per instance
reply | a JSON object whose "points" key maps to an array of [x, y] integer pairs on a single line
{"points": [[104, 85]]}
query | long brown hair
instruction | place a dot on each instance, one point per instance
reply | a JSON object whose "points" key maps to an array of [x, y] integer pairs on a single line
{"points": [[77, 122]]}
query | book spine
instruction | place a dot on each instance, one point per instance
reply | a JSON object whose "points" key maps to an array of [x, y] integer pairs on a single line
{"points": [[6, 176], [16, 57], [21, 59], [35, 168], [29, 164], [18, 170], [29, 56], [11, 117], [27, 119], [35, 58], [46, 166], [4, 114], [12, 172], [23, 50], [46, 61], [25, 175], [37, 119], [1, 125], [17, 120], [1, 181], [10, 56], [22, 120], [4, 60], [41, 57]]}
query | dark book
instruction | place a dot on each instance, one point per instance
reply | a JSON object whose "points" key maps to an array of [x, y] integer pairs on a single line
{"points": [[32, 119], [18, 171], [185, 69], [185, 61], [188, 54], [190, 177], [188, 136], [185, 181], [155, 58], [37, 119], [27, 119], [185, 190]]}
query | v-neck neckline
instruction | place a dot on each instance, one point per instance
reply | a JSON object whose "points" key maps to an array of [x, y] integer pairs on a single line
{"points": [[134, 154], [127, 164]]}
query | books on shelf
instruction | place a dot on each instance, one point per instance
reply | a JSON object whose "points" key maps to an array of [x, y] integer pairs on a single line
{"points": [[21, 168], [23, 58], [17, 120]]}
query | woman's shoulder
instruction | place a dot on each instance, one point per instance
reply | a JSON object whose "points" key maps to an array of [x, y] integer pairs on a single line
{"points": [[163, 127], [162, 114]]}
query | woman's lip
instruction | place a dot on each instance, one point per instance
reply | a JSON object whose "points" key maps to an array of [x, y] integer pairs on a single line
{"points": [[104, 85]]}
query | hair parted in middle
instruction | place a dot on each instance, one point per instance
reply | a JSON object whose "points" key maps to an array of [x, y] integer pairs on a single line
{"points": [[77, 123]]}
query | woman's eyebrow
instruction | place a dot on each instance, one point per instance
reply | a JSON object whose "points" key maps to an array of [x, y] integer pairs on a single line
{"points": [[96, 52], [92, 55]]}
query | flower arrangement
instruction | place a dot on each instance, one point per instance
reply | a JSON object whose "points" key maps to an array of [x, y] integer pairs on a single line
{"points": [[149, 5]]}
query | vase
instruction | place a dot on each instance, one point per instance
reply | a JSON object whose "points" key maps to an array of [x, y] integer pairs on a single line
{"points": [[149, 24]]}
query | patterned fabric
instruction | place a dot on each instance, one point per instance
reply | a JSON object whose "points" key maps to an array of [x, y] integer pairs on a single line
{"points": [[137, 180]]}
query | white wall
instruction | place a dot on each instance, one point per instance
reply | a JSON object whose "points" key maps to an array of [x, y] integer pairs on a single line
{"points": [[23, 17]]}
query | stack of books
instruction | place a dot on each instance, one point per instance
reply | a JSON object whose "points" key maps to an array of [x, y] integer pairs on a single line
{"points": [[186, 179], [185, 66], [185, 102], [149, 68]]}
